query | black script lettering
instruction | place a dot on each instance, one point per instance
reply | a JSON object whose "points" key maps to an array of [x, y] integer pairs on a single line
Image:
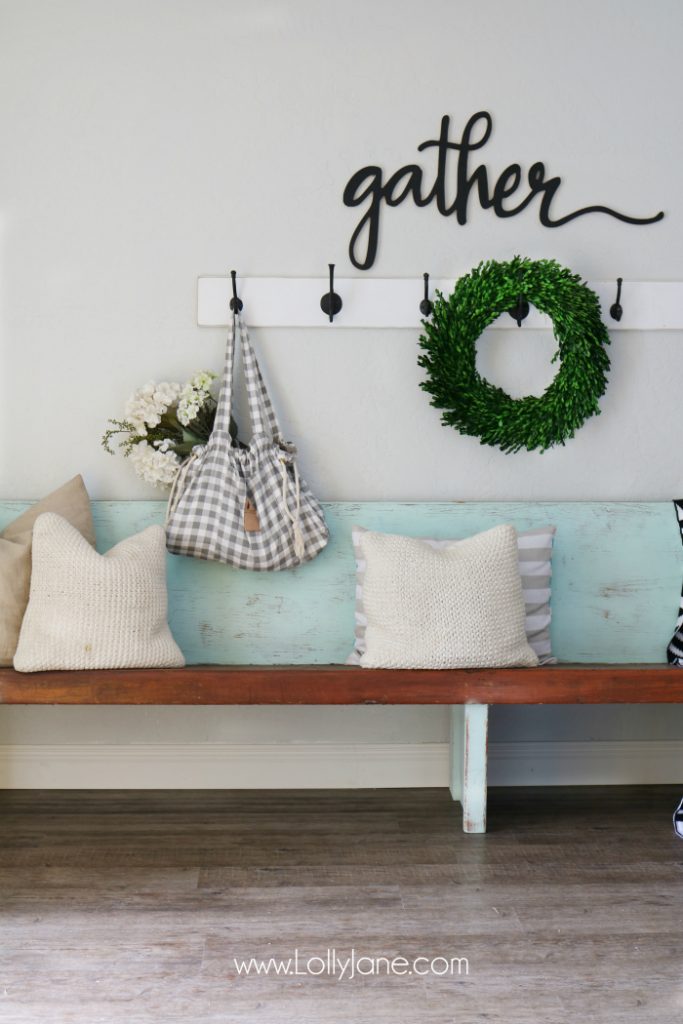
{"points": [[507, 183], [367, 185], [548, 222], [413, 174], [370, 219], [464, 181], [479, 175]]}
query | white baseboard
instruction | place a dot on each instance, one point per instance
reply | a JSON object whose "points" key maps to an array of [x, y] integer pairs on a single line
{"points": [[224, 766], [330, 766], [586, 763]]}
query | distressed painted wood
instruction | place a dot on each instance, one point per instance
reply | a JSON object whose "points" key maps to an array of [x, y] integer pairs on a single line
{"points": [[342, 684], [468, 756], [617, 578], [457, 729], [468, 763], [474, 767]]}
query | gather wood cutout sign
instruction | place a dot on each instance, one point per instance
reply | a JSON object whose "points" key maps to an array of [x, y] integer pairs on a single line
{"points": [[451, 189]]}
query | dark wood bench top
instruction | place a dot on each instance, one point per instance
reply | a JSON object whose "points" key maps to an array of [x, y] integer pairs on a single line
{"points": [[341, 684]]}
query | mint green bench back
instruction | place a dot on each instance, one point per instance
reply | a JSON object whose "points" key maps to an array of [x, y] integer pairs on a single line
{"points": [[617, 572]]}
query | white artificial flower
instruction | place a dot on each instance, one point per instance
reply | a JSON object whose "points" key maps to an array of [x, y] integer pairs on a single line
{"points": [[138, 408], [166, 394], [194, 396], [147, 405], [155, 467], [202, 380], [188, 409]]}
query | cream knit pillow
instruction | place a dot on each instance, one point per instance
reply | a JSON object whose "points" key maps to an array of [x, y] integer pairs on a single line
{"points": [[534, 553], [89, 611], [460, 606]]}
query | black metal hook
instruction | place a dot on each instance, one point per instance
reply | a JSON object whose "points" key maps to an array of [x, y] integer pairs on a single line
{"points": [[331, 303], [616, 311], [236, 305], [520, 311], [426, 306]]}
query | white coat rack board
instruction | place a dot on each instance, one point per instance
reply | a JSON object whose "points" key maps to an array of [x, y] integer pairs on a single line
{"points": [[395, 302]]}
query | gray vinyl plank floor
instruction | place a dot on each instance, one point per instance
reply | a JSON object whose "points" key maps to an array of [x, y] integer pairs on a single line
{"points": [[135, 906]]}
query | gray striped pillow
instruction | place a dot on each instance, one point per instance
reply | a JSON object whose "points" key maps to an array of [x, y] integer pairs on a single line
{"points": [[535, 549]]}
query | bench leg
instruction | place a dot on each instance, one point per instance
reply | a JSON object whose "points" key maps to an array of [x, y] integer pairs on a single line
{"points": [[469, 730]]}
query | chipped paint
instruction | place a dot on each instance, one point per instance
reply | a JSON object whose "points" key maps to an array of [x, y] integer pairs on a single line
{"points": [[474, 778], [616, 585]]}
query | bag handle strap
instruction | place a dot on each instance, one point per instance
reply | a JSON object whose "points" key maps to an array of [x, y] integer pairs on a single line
{"points": [[261, 412], [224, 405]]}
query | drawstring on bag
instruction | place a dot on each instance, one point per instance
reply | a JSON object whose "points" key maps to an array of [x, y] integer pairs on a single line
{"points": [[179, 479]]}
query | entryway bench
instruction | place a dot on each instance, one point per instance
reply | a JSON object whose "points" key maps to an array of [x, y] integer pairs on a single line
{"points": [[282, 638]]}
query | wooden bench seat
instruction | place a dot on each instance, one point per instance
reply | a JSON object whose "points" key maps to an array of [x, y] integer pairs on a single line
{"points": [[281, 638], [345, 684]]}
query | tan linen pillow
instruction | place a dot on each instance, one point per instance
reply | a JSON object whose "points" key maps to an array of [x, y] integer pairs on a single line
{"points": [[71, 501], [89, 611], [458, 606]]}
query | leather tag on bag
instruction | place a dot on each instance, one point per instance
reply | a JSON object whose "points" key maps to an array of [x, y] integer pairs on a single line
{"points": [[251, 521]]}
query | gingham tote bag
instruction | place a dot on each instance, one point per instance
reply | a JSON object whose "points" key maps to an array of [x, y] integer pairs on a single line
{"points": [[246, 506]]}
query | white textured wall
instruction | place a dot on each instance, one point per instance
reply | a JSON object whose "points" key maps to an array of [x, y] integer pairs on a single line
{"points": [[144, 144]]}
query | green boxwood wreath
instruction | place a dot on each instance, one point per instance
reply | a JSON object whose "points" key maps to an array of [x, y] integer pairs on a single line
{"points": [[475, 406]]}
